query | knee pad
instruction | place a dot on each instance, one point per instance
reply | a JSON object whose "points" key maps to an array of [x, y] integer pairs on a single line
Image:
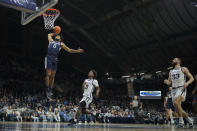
{"points": [[83, 105]]}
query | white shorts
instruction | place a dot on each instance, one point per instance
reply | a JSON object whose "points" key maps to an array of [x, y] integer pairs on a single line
{"points": [[179, 92], [87, 100]]}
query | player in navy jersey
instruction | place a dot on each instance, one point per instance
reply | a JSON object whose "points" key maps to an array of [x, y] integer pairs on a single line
{"points": [[51, 59], [168, 104]]}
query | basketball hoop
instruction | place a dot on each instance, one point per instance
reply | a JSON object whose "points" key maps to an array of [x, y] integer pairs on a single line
{"points": [[49, 18]]}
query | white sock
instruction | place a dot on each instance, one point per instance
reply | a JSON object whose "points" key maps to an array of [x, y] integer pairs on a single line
{"points": [[171, 116], [181, 120], [172, 120]]}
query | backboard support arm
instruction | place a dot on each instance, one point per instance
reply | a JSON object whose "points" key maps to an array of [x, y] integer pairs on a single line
{"points": [[27, 17]]}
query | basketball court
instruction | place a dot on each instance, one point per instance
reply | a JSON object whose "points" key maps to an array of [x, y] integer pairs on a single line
{"points": [[85, 127]]}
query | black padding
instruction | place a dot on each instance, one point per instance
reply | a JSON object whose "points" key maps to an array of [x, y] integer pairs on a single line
{"points": [[83, 110], [83, 104], [194, 103]]}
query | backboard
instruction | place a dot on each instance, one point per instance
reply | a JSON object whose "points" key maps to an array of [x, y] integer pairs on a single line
{"points": [[23, 5], [30, 9]]}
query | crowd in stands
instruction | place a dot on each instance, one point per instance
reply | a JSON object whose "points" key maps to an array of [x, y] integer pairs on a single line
{"points": [[35, 108]]}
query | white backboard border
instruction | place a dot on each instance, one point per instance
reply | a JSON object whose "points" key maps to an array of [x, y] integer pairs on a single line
{"points": [[26, 17]]}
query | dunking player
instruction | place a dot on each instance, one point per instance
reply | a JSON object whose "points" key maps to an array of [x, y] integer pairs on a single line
{"points": [[88, 87], [170, 111], [194, 92], [179, 87], [51, 59]]}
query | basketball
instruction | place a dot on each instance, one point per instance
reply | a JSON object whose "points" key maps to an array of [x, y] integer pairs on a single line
{"points": [[57, 29]]}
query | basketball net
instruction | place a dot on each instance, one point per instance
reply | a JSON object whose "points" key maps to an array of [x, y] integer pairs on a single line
{"points": [[49, 18]]}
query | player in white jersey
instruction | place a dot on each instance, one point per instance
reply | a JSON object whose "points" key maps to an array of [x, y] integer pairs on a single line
{"points": [[177, 77], [194, 93], [88, 88]]}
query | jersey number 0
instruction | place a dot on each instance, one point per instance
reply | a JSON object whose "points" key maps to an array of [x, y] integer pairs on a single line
{"points": [[54, 46]]}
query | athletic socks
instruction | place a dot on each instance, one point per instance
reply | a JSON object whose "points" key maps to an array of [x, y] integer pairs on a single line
{"points": [[75, 120], [171, 117], [181, 120], [172, 121], [180, 123]]}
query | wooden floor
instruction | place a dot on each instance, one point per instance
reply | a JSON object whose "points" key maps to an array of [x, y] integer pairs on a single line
{"points": [[23, 126]]}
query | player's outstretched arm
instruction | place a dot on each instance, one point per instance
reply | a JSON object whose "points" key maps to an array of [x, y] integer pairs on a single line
{"points": [[66, 48], [168, 81], [165, 101], [189, 75], [50, 35], [140, 105], [97, 91]]}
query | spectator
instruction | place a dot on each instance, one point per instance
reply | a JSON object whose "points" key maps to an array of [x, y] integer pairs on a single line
{"points": [[107, 116], [35, 115], [18, 116], [56, 115], [50, 115], [42, 115], [9, 114]]}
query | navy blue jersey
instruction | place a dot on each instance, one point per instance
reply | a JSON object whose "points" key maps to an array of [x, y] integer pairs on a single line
{"points": [[53, 49], [169, 95], [169, 104]]}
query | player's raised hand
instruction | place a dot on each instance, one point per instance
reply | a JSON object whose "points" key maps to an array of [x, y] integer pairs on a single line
{"points": [[80, 50], [166, 82]]}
